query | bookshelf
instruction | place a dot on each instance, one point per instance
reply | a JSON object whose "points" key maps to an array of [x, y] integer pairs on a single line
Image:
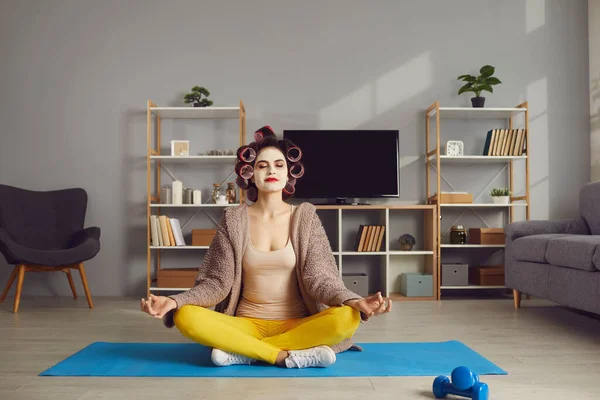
{"points": [[343, 228], [155, 164], [507, 155]]}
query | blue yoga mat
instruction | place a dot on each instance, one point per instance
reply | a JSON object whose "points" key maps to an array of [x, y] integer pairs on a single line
{"points": [[193, 360]]}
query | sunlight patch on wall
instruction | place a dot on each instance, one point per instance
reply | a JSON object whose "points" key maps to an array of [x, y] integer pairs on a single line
{"points": [[535, 14], [379, 96], [537, 95]]}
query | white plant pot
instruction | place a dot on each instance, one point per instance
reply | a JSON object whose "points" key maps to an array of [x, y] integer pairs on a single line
{"points": [[500, 199]]}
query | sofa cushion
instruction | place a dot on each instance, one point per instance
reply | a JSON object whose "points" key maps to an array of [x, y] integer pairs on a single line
{"points": [[589, 206], [576, 251], [533, 248]]}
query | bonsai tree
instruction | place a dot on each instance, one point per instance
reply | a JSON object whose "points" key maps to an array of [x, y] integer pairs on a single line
{"points": [[196, 97], [477, 84]]}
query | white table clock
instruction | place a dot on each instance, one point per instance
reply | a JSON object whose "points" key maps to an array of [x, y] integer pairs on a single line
{"points": [[454, 148]]}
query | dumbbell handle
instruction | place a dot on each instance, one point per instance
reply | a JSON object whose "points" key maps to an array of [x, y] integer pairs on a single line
{"points": [[479, 391]]}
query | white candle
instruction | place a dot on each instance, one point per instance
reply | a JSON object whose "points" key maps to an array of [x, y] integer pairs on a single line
{"points": [[197, 196], [177, 192]]}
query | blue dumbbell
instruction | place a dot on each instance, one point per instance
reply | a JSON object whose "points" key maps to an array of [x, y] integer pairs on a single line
{"points": [[464, 383]]}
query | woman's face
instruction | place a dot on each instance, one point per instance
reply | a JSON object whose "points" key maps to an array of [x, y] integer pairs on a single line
{"points": [[270, 170]]}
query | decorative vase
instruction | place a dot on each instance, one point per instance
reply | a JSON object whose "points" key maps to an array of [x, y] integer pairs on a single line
{"points": [[500, 199], [477, 102], [406, 246]]}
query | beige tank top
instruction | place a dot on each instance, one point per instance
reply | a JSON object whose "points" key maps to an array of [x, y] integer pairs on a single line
{"points": [[270, 285]]}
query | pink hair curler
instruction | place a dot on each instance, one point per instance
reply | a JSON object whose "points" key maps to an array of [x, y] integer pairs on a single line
{"points": [[252, 194], [289, 188], [297, 170], [246, 153], [244, 170], [294, 154], [242, 183]]}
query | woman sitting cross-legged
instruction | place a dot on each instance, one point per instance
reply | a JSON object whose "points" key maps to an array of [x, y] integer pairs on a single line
{"points": [[270, 275]]}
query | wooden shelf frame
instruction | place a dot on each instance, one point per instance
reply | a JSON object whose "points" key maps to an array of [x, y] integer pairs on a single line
{"points": [[434, 158], [154, 158]]}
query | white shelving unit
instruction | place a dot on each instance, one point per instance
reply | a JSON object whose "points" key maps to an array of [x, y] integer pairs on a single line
{"points": [[434, 158], [155, 159]]}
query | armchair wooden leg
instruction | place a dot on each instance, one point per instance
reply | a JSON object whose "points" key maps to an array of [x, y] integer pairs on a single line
{"points": [[85, 284], [71, 283], [11, 279], [517, 298], [20, 277]]}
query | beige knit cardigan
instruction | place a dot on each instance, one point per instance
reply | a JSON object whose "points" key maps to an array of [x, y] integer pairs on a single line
{"points": [[219, 279]]}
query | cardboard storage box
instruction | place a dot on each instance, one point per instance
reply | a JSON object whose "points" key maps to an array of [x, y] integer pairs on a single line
{"points": [[486, 236], [455, 274], [452, 198], [176, 277], [487, 276], [203, 237], [416, 285], [358, 283]]}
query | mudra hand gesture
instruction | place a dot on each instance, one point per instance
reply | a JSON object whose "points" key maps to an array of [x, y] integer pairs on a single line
{"points": [[158, 306], [372, 305]]}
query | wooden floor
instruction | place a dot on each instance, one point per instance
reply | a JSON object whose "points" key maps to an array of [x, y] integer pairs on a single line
{"points": [[549, 352]]}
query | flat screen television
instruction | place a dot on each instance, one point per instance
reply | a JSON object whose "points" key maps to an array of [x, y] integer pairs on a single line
{"points": [[342, 164]]}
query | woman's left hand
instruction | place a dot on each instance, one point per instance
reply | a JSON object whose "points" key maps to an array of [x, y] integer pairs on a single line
{"points": [[372, 305]]}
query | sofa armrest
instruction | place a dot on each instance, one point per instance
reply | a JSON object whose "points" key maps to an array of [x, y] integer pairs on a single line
{"points": [[570, 226]]}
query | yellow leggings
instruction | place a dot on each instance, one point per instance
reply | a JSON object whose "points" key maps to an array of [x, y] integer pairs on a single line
{"points": [[264, 339]]}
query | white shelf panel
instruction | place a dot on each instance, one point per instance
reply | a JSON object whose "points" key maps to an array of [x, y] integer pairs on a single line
{"points": [[193, 205], [461, 246], [473, 287], [363, 253], [479, 159], [227, 159], [484, 112], [483, 205], [196, 112], [410, 253], [179, 247]]}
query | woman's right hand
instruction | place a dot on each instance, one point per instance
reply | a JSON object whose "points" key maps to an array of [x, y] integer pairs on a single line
{"points": [[158, 306]]}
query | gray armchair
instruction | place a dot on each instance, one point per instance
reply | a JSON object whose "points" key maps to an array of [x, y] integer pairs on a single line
{"points": [[43, 231], [558, 260]]}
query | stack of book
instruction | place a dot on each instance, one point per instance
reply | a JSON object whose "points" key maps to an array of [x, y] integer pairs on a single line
{"points": [[505, 142], [165, 231], [369, 238]]}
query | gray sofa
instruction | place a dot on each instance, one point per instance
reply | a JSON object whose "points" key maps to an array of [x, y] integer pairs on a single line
{"points": [[558, 260]]}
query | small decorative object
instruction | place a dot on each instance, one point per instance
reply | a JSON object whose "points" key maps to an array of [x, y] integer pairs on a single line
{"points": [[180, 147], [230, 193], [484, 81], [166, 195], [458, 235], [465, 383], [216, 192], [177, 192], [197, 197], [221, 199], [500, 195], [188, 195], [196, 97], [455, 148], [406, 242]]}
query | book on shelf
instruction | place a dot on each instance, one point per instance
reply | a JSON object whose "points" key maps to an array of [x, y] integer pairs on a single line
{"points": [[369, 238], [505, 142], [165, 231]]}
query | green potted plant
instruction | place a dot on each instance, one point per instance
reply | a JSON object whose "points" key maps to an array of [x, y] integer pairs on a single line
{"points": [[477, 84], [195, 97], [500, 195]]}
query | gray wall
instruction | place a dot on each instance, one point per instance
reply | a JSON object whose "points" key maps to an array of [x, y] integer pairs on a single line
{"points": [[76, 75]]}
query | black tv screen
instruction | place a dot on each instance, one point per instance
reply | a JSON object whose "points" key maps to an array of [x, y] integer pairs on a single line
{"points": [[347, 163]]}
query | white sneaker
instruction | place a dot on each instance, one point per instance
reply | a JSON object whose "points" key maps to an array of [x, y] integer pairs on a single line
{"points": [[320, 356], [222, 358]]}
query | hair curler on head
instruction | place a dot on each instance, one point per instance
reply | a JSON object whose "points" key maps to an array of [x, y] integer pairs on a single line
{"points": [[242, 183], [246, 153], [294, 153], [297, 170], [244, 170], [252, 194], [262, 133], [289, 188]]}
